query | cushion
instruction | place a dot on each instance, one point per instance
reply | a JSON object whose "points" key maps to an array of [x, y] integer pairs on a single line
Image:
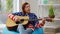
{"points": [[37, 31]]}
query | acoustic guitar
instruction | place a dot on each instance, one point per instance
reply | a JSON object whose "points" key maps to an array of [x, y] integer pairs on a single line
{"points": [[12, 25]]}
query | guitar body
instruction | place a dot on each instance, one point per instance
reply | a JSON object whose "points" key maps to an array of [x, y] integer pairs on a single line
{"points": [[12, 25]]}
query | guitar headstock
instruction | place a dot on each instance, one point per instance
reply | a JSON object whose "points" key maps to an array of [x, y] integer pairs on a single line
{"points": [[48, 19]]}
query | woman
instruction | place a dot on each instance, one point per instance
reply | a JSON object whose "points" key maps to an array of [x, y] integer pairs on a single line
{"points": [[32, 25]]}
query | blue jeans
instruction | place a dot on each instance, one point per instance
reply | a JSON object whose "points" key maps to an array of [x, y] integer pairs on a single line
{"points": [[21, 30]]}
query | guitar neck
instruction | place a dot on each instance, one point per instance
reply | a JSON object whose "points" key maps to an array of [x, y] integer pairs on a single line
{"points": [[47, 19]]}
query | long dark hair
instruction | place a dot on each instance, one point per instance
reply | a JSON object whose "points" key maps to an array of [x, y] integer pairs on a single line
{"points": [[23, 6]]}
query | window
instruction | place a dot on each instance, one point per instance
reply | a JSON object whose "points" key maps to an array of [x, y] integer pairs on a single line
{"points": [[0, 5], [9, 5]]}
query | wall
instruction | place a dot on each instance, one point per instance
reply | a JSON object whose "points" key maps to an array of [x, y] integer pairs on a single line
{"points": [[2, 12]]}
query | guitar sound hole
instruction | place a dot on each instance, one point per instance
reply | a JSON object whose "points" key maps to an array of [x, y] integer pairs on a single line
{"points": [[22, 20], [19, 22]]}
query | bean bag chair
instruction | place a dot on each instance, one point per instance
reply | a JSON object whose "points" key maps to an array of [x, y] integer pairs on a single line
{"points": [[37, 31]]}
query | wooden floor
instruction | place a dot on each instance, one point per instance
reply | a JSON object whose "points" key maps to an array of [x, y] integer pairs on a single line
{"points": [[51, 33]]}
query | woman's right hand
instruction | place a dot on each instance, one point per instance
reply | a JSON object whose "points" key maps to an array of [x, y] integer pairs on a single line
{"points": [[16, 19]]}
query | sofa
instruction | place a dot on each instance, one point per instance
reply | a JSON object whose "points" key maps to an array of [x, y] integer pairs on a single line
{"points": [[37, 31]]}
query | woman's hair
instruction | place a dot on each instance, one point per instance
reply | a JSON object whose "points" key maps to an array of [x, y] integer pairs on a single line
{"points": [[23, 6]]}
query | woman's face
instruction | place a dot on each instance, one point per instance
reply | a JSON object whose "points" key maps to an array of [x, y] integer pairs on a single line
{"points": [[27, 8]]}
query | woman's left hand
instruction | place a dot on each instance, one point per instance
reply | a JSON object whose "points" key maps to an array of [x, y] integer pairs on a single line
{"points": [[43, 20]]}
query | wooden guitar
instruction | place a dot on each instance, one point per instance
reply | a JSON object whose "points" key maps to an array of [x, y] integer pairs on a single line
{"points": [[12, 25]]}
